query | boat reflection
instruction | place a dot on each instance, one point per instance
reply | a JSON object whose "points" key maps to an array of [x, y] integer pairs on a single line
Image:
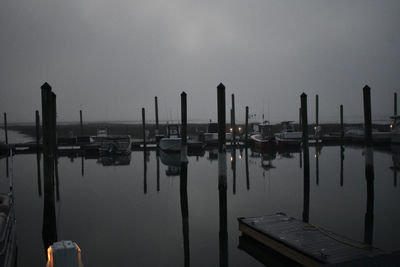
{"points": [[172, 161], [115, 160]]}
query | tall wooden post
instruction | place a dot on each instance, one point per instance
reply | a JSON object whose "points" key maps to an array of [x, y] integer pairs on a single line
{"points": [[37, 121], [5, 128], [184, 127], [341, 123], [158, 169], [233, 120], [49, 230], [306, 203], [246, 126], [222, 183], [300, 117], [367, 115], [144, 128], [156, 113], [395, 104], [369, 166], [341, 164], [221, 118], [316, 134], [81, 121]]}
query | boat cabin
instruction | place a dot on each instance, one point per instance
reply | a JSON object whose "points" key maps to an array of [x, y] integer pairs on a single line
{"points": [[173, 130], [288, 126], [395, 125], [265, 129]]}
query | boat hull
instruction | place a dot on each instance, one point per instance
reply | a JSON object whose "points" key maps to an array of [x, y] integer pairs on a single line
{"points": [[262, 144], [171, 144]]}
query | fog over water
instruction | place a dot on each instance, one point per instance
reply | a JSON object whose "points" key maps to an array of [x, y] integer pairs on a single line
{"points": [[110, 58]]}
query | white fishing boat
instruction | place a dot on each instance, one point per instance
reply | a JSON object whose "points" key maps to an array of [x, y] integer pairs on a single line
{"points": [[112, 144], [395, 130], [173, 141], [264, 139], [288, 136], [211, 136]]}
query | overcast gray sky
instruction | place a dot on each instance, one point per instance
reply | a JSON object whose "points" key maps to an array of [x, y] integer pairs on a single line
{"points": [[110, 58]]}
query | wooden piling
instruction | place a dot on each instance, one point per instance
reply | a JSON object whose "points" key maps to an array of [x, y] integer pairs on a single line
{"points": [[5, 128], [367, 115], [158, 169], [144, 128], [246, 126], [81, 121], [233, 120], [221, 117], [49, 230], [369, 166], [341, 123], [37, 121], [156, 114], [306, 167], [38, 155], [316, 110], [183, 127], [300, 116], [395, 104]]}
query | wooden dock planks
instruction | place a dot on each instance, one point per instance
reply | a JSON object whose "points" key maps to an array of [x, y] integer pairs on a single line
{"points": [[301, 242]]}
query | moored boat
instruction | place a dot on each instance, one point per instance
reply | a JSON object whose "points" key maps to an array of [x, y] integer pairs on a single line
{"points": [[112, 144], [173, 141], [288, 136], [264, 139]]}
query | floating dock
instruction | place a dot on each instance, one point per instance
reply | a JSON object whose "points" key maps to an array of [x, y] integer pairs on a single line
{"points": [[306, 244]]}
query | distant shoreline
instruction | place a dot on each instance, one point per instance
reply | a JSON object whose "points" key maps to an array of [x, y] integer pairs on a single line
{"points": [[135, 130]]}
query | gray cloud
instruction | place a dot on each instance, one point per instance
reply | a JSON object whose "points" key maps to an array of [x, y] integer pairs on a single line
{"points": [[110, 58]]}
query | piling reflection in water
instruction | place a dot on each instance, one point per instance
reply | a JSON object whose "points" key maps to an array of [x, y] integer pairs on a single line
{"points": [[223, 210], [247, 169], [341, 164], [185, 212], [158, 169], [144, 171], [369, 176], [233, 167]]}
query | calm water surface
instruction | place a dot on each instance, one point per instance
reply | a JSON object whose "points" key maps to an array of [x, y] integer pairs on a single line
{"points": [[121, 213]]}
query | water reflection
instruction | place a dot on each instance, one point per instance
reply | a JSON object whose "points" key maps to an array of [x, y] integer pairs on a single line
{"points": [[114, 160], [223, 210], [369, 176], [247, 169], [185, 212], [341, 164], [294, 187], [172, 161]]}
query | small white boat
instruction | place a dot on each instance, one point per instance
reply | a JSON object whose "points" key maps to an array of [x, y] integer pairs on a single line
{"points": [[395, 130], [264, 139], [173, 141], [211, 136], [288, 136], [112, 144]]}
